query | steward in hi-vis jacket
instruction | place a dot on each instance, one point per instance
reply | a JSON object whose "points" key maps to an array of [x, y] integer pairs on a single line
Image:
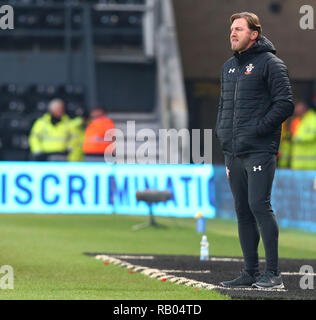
{"points": [[51, 134]]}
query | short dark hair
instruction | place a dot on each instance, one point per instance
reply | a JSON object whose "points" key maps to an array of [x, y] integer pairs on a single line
{"points": [[252, 20]]}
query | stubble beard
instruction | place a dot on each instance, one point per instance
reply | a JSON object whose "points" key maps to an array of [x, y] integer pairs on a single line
{"points": [[240, 45]]}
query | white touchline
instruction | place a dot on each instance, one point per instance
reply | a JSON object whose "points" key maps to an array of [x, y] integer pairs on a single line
{"points": [[186, 271], [152, 257], [231, 259], [133, 257]]}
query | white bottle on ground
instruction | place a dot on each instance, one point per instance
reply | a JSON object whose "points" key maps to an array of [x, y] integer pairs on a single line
{"points": [[204, 250]]}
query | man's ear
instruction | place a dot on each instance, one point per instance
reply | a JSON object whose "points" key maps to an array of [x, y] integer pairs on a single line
{"points": [[254, 35]]}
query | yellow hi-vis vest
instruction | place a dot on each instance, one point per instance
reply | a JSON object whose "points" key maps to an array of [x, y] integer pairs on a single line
{"points": [[46, 137], [303, 155], [76, 141], [284, 159]]}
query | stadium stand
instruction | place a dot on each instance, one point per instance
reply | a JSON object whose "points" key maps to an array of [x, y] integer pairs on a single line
{"points": [[112, 54], [21, 105]]}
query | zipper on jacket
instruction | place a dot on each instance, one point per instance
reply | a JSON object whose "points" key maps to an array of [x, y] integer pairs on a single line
{"points": [[234, 114]]}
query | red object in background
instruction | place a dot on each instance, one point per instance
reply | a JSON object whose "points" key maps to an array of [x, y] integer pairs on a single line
{"points": [[294, 125], [94, 135]]}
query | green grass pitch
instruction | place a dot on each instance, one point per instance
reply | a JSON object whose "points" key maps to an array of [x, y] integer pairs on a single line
{"points": [[46, 253]]}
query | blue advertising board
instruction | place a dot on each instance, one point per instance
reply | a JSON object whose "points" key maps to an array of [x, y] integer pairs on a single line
{"points": [[293, 198], [101, 188]]}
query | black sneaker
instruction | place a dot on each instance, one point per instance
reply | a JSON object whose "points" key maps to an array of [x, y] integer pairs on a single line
{"points": [[269, 280], [243, 281]]}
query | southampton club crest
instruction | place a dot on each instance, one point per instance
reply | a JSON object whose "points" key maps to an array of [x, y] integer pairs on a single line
{"points": [[228, 173], [249, 68]]}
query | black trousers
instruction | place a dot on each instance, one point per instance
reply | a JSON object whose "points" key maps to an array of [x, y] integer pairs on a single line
{"points": [[251, 177]]}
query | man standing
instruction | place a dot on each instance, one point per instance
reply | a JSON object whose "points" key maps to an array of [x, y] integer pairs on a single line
{"points": [[256, 97], [300, 149], [51, 134], [94, 145]]}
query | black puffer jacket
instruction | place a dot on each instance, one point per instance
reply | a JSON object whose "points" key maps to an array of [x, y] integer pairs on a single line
{"points": [[256, 98]]}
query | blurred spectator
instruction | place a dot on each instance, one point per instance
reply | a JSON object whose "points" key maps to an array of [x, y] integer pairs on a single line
{"points": [[284, 155], [94, 145], [78, 125], [51, 134], [298, 145]]}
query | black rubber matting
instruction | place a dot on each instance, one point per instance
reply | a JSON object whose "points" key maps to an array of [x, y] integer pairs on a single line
{"points": [[224, 268]]}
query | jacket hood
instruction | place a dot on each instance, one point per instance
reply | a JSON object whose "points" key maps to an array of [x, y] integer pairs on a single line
{"points": [[261, 45]]}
